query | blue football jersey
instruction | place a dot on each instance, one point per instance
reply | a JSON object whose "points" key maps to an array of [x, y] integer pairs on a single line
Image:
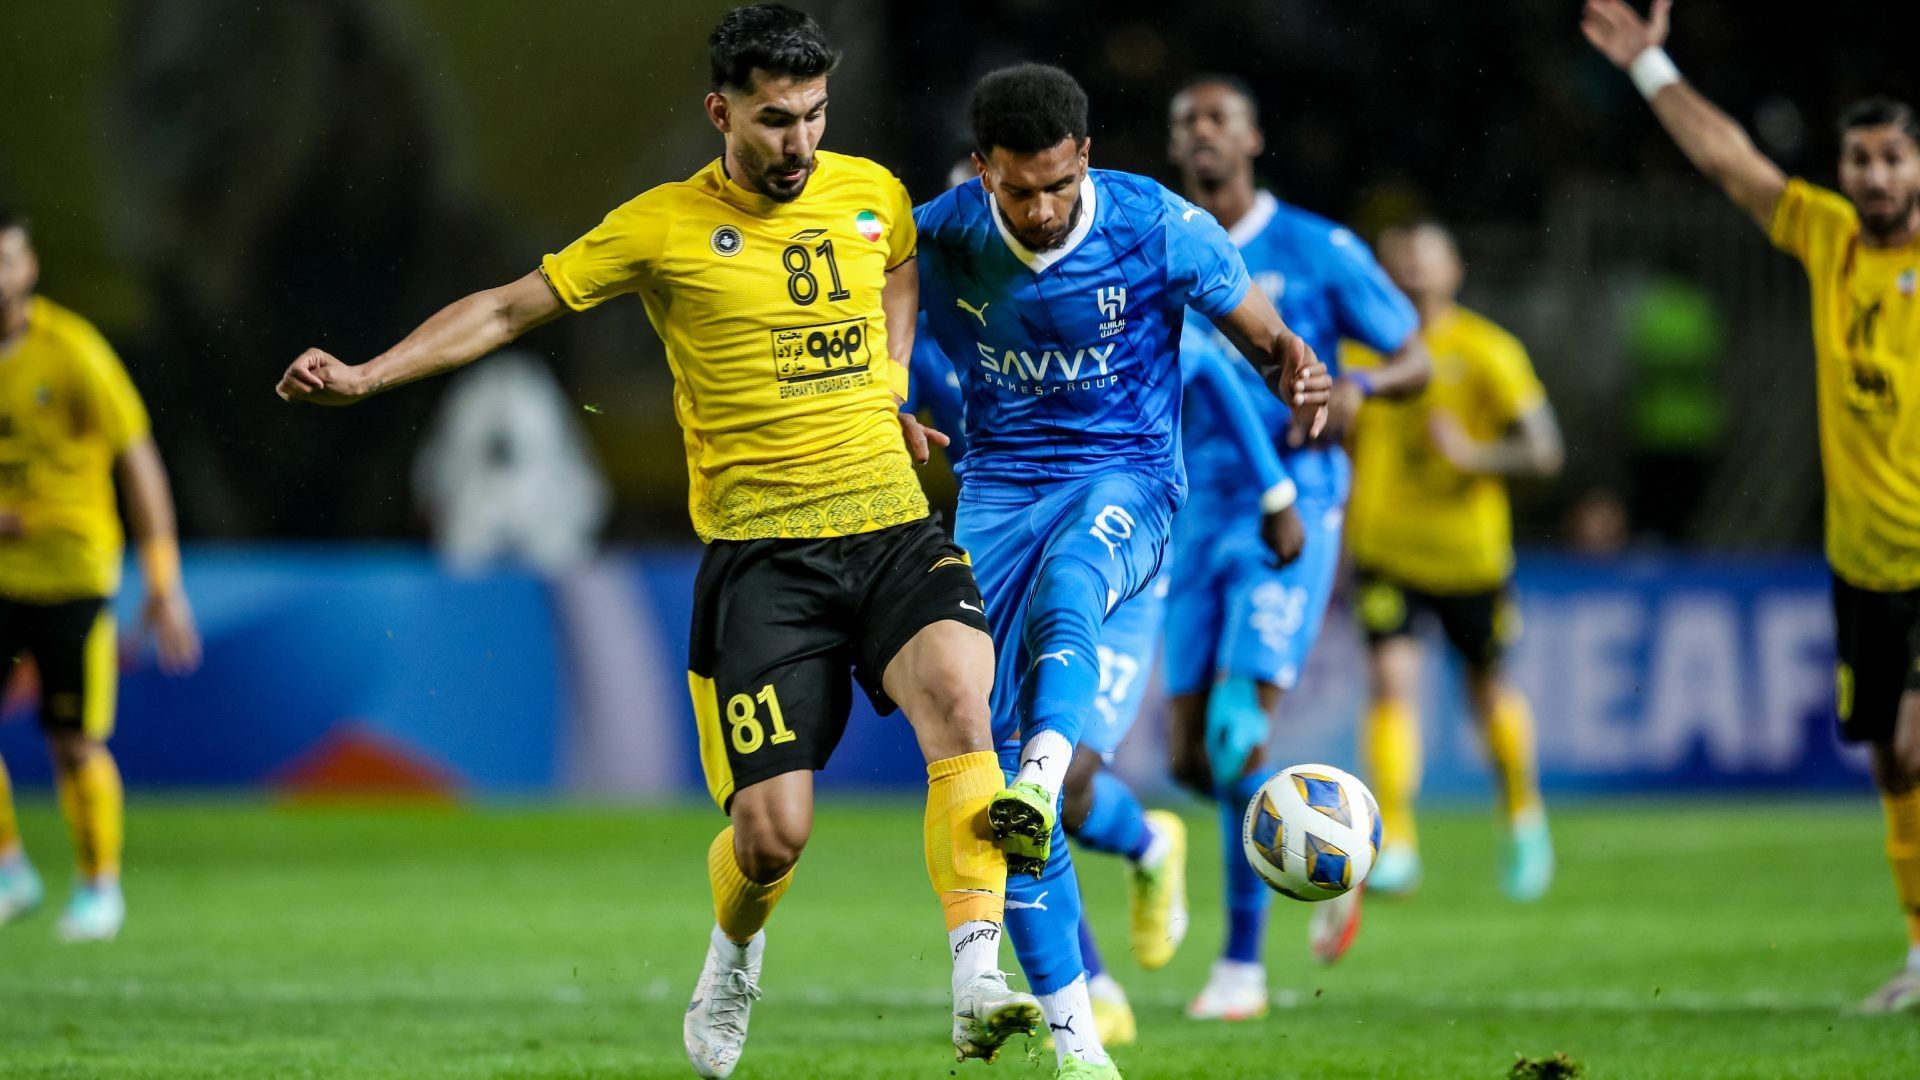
{"points": [[1068, 358], [1327, 286]]}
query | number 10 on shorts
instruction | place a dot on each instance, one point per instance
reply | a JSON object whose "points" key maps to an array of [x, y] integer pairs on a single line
{"points": [[743, 721]]}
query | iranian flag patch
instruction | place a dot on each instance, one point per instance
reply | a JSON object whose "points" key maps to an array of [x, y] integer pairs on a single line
{"points": [[868, 223]]}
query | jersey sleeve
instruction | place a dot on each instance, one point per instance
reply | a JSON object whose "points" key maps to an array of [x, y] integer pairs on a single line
{"points": [[1203, 266], [903, 236], [1368, 306], [618, 256], [1809, 219], [111, 398], [1512, 385], [1207, 370]]}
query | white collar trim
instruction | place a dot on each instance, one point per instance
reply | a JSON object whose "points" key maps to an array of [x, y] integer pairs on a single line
{"points": [[1256, 220], [1037, 261]]}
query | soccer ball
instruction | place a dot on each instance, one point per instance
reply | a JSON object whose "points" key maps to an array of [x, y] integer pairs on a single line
{"points": [[1312, 832]]}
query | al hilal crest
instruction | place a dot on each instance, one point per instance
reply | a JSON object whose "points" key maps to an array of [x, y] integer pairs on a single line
{"points": [[726, 240], [868, 223], [1113, 306]]}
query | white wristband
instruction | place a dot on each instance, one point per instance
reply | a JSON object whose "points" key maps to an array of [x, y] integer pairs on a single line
{"points": [[1651, 70], [1278, 497]]}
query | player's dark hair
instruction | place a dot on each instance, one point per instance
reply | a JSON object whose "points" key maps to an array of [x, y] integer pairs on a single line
{"points": [[13, 219], [1232, 82], [773, 38], [1880, 111], [1026, 109]]}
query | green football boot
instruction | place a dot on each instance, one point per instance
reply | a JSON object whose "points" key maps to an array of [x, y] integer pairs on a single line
{"points": [[1022, 819]]}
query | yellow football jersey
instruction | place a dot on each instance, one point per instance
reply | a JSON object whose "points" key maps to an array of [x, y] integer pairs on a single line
{"points": [[1413, 516], [1866, 344], [773, 326], [67, 413]]}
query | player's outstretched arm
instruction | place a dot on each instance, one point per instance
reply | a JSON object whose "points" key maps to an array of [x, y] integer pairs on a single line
{"points": [[164, 613], [460, 333], [1292, 372], [1711, 139], [1532, 448]]}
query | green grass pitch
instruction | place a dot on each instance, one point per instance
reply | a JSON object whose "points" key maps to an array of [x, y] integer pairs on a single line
{"points": [[1684, 939]]}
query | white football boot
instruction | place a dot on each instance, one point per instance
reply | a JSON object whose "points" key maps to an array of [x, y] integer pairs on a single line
{"points": [[1235, 991], [94, 913], [20, 889], [987, 1012], [715, 1029]]}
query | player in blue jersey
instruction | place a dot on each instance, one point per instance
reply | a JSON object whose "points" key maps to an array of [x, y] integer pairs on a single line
{"points": [[1098, 810], [1060, 293], [1238, 628]]}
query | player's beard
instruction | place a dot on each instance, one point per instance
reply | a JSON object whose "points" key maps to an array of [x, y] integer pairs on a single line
{"points": [[1885, 224], [763, 175], [1054, 239]]}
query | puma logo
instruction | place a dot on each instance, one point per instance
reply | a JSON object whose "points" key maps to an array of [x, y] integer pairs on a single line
{"points": [[1061, 656], [1036, 762], [1066, 1027], [977, 312]]}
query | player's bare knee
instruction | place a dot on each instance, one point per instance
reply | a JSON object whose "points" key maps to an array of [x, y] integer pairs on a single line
{"points": [[1190, 768], [957, 703], [768, 849], [69, 748]]}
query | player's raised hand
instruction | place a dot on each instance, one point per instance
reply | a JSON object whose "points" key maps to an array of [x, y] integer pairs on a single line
{"points": [[920, 438], [1620, 33], [320, 378]]}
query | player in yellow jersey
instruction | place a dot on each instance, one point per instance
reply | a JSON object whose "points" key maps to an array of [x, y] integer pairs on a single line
{"points": [[782, 280], [1861, 250], [1431, 533], [71, 425]]}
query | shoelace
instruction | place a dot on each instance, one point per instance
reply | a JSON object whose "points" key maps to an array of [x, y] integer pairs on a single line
{"points": [[734, 995]]}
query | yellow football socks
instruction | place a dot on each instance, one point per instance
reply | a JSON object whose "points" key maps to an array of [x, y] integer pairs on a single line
{"points": [[1903, 852], [9, 824], [1393, 753], [1510, 740], [968, 870], [740, 905], [94, 806]]}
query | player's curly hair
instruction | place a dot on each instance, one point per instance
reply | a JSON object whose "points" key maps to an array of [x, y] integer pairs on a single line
{"points": [[773, 38], [1880, 111], [1026, 109]]}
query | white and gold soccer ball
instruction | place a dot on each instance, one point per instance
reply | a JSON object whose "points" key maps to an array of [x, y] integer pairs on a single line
{"points": [[1312, 832]]}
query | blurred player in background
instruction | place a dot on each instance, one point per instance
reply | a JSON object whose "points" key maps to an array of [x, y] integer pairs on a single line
{"points": [[1061, 291], [72, 428], [1861, 250], [784, 284], [1431, 533], [1239, 629]]}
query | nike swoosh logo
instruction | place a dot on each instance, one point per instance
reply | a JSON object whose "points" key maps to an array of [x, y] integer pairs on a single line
{"points": [[970, 607]]}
